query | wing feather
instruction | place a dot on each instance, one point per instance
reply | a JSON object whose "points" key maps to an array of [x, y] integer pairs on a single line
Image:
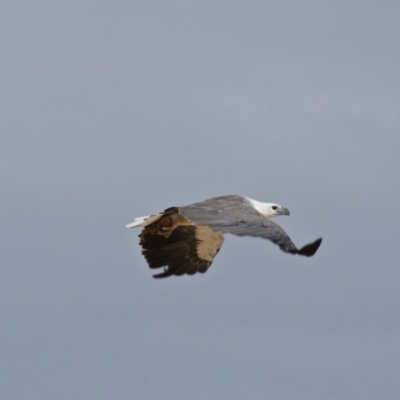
{"points": [[245, 223], [184, 249]]}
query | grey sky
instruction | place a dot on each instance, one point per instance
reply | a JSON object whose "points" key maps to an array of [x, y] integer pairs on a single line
{"points": [[113, 110]]}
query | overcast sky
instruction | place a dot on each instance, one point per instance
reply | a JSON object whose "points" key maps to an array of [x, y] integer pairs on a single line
{"points": [[114, 110]]}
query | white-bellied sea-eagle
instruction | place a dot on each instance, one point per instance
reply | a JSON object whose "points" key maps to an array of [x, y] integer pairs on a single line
{"points": [[185, 240]]}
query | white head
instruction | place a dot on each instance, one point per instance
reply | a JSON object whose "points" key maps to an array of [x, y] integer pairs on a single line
{"points": [[269, 210]]}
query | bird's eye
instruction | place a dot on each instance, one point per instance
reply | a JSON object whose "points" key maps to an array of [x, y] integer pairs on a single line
{"points": [[274, 207]]}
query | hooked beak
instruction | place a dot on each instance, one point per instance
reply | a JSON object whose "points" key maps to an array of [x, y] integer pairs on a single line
{"points": [[283, 211]]}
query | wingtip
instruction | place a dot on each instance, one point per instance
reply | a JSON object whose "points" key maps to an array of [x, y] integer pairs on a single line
{"points": [[310, 249]]}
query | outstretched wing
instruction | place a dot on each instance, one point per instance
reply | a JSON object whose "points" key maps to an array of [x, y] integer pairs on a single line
{"points": [[173, 242], [273, 232], [248, 223]]}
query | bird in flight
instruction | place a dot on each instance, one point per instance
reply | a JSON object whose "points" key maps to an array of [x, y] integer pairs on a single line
{"points": [[185, 240]]}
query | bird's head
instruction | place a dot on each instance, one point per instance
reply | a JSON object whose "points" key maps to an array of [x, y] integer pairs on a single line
{"points": [[269, 210], [273, 210]]}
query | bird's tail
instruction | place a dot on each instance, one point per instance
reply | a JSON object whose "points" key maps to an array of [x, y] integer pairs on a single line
{"points": [[144, 221]]}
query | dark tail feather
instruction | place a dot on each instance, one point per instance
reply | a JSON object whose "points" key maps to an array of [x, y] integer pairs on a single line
{"points": [[310, 249]]}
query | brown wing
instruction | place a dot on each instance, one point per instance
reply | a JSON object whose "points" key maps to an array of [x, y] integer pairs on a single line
{"points": [[173, 242]]}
